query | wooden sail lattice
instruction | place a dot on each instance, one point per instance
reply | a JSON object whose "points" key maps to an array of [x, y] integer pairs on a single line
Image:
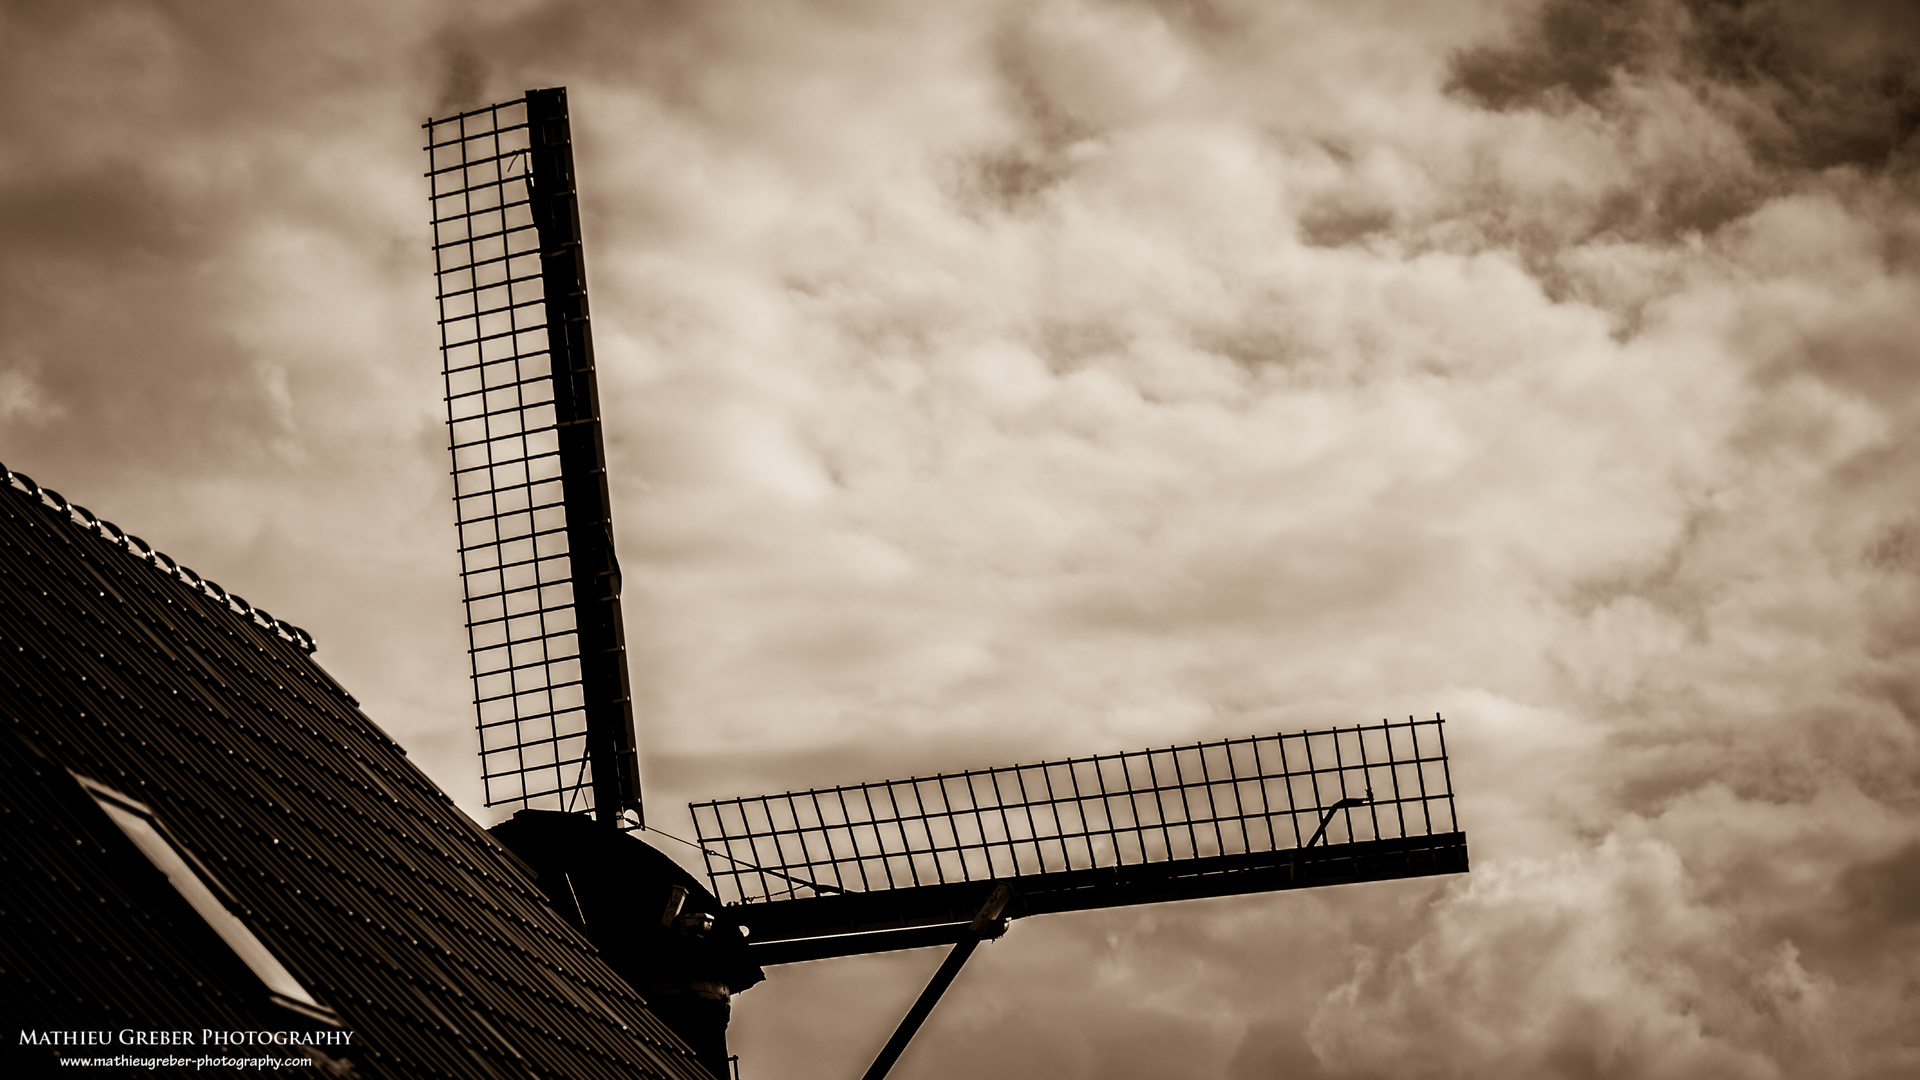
{"points": [[536, 546], [1206, 819]]}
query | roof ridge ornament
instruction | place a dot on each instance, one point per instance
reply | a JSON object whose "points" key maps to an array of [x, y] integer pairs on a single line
{"points": [[147, 553]]}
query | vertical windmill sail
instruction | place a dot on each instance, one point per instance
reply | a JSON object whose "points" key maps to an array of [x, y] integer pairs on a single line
{"points": [[537, 561]]}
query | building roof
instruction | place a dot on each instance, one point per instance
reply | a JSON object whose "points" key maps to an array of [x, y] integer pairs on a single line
{"points": [[134, 692]]}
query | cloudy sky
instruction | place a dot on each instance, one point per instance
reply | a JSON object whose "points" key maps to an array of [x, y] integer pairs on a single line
{"points": [[990, 381]]}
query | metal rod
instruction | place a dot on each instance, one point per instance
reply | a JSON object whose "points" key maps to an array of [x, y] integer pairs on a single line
{"points": [[985, 924], [1343, 804], [801, 950], [922, 1008]]}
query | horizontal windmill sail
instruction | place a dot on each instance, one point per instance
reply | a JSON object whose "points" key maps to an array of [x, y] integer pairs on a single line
{"points": [[541, 583], [900, 863]]}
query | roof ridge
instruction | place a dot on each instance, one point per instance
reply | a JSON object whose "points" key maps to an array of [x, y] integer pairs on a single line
{"points": [[147, 553]]}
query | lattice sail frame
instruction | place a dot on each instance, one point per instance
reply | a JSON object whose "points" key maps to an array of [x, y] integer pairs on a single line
{"points": [[536, 552], [1236, 796]]}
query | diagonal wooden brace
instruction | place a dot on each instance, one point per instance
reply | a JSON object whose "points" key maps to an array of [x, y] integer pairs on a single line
{"points": [[985, 926]]}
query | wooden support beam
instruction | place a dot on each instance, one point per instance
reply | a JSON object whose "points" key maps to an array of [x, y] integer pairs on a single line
{"points": [[986, 924]]}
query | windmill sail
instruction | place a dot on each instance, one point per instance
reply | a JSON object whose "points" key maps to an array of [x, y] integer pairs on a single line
{"points": [[905, 863], [537, 563]]}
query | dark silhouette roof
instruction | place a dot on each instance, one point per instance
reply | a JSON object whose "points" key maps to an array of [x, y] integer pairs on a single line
{"points": [[131, 693]]}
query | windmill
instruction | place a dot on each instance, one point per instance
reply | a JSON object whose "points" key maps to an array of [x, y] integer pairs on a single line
{"points": [[948, 859]]}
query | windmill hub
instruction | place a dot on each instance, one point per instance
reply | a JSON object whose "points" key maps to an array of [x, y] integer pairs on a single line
{"points": [[687, 962]]}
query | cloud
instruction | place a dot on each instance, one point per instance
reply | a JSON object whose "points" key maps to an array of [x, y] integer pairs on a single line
{"points": [[1645, 955], [1578, 970], [1808, 85]]}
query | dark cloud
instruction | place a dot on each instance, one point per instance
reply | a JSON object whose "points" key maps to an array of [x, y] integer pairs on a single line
{"points": [[1573, 47], [1808, 85], [1006, 180], [463, 86], [1886, 891], [1705, 109], [122, 291]]}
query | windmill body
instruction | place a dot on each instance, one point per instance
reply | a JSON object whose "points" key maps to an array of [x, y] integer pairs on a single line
{"points": [[947, 859]]}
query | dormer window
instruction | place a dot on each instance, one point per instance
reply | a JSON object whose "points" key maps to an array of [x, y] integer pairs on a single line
{"points": [[199, 888]]}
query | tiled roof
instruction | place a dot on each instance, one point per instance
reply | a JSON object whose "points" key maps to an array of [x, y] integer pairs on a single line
{"points": [[392, 907]]}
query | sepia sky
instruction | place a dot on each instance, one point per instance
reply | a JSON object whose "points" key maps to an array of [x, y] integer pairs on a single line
{"points": [[988, 382]]}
